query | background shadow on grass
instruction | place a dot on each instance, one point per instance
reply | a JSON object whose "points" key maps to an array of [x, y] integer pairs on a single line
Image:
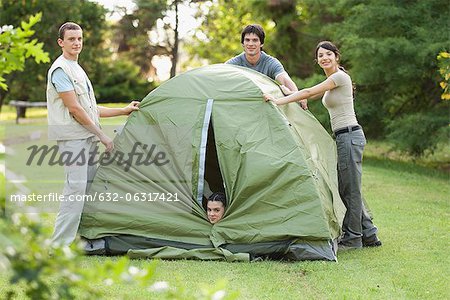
{"points": [[406, 167]]}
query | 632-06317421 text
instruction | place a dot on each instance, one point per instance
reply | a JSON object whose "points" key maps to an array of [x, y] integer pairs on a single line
{"points": [[150, 197]]}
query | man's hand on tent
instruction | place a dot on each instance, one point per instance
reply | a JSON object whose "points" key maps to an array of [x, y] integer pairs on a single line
{"points": [[107, 141], [106, 112], [286, 91], [133, 106]]}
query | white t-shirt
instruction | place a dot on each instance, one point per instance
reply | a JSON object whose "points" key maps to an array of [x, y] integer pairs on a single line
{"points": [[62, 82], [339, 101]]}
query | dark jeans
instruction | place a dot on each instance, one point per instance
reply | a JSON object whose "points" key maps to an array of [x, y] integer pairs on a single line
{"points": [[357, 224]]}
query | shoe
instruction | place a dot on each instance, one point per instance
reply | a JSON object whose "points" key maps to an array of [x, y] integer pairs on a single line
{"points": [[344, 247], [257, 259], [376, 243]]}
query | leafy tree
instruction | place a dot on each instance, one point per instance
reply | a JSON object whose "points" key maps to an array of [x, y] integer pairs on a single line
{"points": [[16, 46], [410, 136], [122, 83], [95, 58], [218, 38], [391, 46], [293, 28], [131, 35], [148, 32]]}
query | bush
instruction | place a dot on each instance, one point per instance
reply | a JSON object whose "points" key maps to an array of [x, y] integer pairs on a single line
{"points": [[34, 263], [419, 133], [121, 82], [444, 70]]}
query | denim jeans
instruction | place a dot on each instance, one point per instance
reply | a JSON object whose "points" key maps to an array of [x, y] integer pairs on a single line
{"points": [[357, 225]]}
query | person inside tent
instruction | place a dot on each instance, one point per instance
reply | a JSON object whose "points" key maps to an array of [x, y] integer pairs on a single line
{"points": [[215, 207]]}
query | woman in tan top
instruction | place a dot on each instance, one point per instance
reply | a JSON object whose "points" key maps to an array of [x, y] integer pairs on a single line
{"points": [[337, 92]]}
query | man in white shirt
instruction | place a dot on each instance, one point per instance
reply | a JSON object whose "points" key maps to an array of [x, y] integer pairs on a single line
{"points": [[73, 118]]}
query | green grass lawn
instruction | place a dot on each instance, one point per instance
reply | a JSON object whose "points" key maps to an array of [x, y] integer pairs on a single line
{"points": [[410, 204], [411, 209]]}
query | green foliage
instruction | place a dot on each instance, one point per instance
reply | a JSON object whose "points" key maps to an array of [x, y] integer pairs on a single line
{"points": [[219, 36], [91, 17], [315, 105], [123, 82], [390, 47], [417, 134], [131, 35], [444, 69], [16, 46], [33, 260], [42, 270], [149, 31]]}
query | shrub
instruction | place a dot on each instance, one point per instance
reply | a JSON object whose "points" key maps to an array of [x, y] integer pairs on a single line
{"points": [[121, 82], [34, 263], [419, 133]]}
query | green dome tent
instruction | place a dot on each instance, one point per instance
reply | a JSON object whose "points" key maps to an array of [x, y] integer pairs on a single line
{"points": [[209, 127]]}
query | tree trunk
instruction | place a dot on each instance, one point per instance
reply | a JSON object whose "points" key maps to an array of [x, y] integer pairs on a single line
{"points": [[3, 94], [1, 102], [173, 69]]}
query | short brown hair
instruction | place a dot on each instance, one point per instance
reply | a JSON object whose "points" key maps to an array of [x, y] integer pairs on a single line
{"points": [[67, 26], [256, 29]]}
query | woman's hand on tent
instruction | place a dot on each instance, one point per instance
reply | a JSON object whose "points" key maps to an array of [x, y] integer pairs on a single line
{"points": [[303, 104], [268, 97]]}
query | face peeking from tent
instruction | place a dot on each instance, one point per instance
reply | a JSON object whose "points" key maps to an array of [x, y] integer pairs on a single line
{"points": [[215, 207]]}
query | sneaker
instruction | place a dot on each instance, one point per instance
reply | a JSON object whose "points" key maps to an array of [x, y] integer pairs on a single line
{"points": [[376, 243], [257, 259], [344, 247]]}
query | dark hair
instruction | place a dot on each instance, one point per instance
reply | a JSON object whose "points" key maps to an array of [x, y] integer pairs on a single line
{"points": [[218, 196], [67, 26], [331, 47], [256, 29]]}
